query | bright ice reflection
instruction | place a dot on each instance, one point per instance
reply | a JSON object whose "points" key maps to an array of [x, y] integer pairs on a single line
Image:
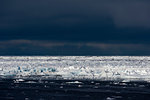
{"points": [[77, 67]]}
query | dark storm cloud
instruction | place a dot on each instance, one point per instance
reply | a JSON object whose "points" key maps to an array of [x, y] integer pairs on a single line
{"points": [[94, 27], [76, 20]]}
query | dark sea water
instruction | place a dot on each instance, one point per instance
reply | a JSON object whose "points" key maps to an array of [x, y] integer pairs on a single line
{"points": [[50, 89]]}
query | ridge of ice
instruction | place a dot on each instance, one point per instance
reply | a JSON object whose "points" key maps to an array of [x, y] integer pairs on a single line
{"points": [[88, 67]]}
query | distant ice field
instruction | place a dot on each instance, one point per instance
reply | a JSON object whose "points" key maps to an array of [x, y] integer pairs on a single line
{"points": [[76, 67]]}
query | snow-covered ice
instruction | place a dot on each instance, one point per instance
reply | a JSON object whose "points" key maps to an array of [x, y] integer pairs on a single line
{"points": [[77, 67]]}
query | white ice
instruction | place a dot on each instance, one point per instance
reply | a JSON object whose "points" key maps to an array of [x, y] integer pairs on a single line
{"points": [[77, 67]]}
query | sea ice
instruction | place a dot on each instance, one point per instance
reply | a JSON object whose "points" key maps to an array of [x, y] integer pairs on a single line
{"points": [[77, 67]]}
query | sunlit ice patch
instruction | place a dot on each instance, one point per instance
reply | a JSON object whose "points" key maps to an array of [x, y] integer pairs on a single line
{"points": [[123, 68]]}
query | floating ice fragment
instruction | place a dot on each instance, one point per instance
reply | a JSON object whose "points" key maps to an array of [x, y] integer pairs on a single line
{"points": [[76, 82]]}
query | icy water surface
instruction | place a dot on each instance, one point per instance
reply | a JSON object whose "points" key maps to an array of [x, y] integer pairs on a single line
{"points": [[74, 78], [18, 89]]}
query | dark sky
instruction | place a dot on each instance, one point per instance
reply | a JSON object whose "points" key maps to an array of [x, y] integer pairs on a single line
{"points": [[74, 27]]}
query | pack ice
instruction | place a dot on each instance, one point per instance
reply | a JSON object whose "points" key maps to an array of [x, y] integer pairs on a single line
{"points": [[76, 67]]}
